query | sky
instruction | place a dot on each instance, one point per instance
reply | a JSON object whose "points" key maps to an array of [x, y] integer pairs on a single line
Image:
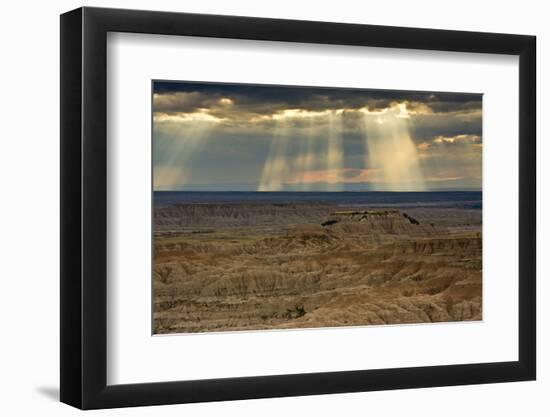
{"points": [[240, 137]]}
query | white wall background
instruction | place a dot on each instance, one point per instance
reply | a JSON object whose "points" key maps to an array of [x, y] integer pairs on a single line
{"points": [[29, 225]]}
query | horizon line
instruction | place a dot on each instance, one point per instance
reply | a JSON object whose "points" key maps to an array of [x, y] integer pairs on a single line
{"points": [[325, 191]]}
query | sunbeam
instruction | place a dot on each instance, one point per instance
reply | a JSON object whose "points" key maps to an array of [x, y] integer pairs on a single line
{"points": [[276, 167], [391, 150], [177, 152], [306, 157], [334, 149]]}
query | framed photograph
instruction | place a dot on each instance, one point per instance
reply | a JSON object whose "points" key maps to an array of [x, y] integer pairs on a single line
{"points": [[259, 208]]}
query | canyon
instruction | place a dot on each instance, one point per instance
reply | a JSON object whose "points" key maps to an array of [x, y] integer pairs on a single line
{"points": [[260, 265]]}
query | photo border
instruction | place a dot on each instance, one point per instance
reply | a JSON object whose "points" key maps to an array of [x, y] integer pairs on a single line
{"points": [[83, 312]]}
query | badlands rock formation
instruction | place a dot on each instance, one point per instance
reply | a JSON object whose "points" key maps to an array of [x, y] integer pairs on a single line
{"points": [[271, 266]]}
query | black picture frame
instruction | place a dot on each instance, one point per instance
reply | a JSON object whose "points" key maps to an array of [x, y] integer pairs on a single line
{"points": [[84, 207]]}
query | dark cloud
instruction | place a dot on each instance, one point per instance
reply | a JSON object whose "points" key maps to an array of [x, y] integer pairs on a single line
{"points": [[426, 127], [268, 99]]}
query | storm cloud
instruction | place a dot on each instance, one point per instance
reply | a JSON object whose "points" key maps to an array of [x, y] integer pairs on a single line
{"points": [[230, 136]]}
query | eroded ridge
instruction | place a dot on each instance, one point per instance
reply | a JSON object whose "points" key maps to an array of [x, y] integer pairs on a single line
{"points": [[250, 266]]}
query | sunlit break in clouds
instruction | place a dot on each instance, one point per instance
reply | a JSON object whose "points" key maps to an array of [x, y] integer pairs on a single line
{"points": [[238, 137]]}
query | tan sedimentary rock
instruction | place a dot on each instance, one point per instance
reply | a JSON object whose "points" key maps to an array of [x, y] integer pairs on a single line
{"points": [[256, 266]]}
